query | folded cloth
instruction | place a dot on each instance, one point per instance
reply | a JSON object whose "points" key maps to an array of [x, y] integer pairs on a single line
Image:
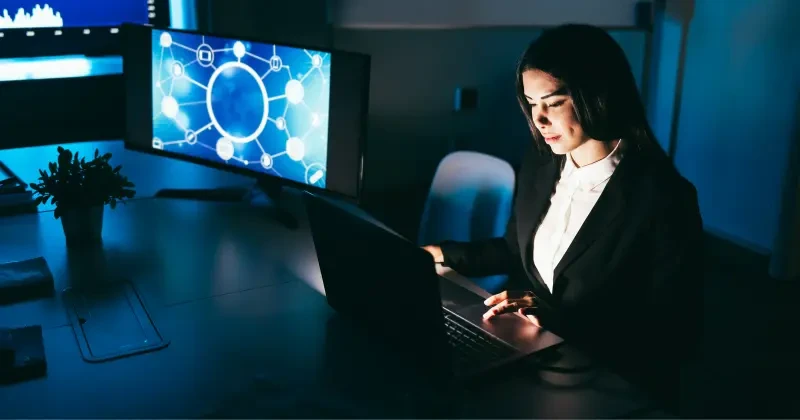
{"points": [[23, 280]]}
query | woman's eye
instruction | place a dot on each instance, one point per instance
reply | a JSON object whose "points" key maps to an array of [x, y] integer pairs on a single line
{"points": [[556, 104]]}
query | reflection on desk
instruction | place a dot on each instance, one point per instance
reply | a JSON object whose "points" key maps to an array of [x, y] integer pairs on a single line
{"points": [[241, 300]]}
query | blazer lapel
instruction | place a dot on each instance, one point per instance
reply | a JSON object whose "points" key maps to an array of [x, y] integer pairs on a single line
{"points": [[602, 216], [545, 178]]}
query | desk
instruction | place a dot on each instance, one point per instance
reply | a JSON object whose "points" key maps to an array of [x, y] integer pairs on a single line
{"points": [[241, 300]]}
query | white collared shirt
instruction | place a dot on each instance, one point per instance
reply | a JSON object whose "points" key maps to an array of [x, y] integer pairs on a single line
{"points": [[575, 195]]}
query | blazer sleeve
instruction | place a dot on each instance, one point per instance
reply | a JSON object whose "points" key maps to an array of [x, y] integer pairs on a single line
{"points": [[483, 258]]}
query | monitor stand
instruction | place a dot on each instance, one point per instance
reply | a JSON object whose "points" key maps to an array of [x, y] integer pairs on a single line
{"points": [[237, 195]]}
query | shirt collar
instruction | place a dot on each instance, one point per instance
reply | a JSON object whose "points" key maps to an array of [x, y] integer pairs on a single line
{"points": [[597, 172]]}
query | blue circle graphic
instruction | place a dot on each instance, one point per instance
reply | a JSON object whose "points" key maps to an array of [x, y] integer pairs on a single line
{"points": [[237, 102]]}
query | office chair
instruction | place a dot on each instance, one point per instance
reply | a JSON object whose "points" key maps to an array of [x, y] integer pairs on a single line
{"points": [[470, 199]]}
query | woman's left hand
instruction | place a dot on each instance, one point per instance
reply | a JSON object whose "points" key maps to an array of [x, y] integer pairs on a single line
{"points": [[511, 301]]}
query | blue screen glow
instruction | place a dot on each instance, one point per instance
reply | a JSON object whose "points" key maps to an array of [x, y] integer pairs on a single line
{"points": [[71, 13], [263, 107]]}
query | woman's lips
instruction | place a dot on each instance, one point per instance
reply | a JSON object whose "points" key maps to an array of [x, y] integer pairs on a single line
{"points": [[551, 139]]}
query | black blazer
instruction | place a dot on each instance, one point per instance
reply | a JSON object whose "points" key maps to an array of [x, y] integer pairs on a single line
{"points": [[629, 287]]}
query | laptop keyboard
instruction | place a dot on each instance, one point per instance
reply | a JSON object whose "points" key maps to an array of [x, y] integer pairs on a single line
{"points": [[472, 346]]}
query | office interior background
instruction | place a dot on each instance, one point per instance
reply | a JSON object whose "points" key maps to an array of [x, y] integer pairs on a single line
{"points": [[720, 78]]}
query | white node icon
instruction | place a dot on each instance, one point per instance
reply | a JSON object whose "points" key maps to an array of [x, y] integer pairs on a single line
{"points": [[158, 144], [224, 148], [315, 173], [166, 40], [169, 106], [315, 119], [266, 161], [295, 149], [177, 69], [191, 137], [238, 49], [295, 91], [205, 55], [264, 117], [316, 61], [275, 63], [280, 122]]}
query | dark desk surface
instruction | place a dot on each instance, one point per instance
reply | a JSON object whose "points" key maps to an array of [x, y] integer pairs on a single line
{"points": [[241, 300]]}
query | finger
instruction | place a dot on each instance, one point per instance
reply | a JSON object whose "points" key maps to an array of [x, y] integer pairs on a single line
{"points": [[532, 318], [494, 300], [502, 307]]}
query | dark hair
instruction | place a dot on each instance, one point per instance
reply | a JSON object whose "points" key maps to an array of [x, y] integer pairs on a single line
{"points": [[594, 70]]}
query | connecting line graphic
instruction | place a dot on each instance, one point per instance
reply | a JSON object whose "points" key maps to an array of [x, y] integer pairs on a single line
{"points": [[294, 94]]}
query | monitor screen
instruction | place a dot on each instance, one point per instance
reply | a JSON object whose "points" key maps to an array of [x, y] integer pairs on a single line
{"points": [[37, 28], [287, 113], [16, 14], [258, 106]]}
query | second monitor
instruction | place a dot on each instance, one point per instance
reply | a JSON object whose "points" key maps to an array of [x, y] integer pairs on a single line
{"points": [[283, 112]]}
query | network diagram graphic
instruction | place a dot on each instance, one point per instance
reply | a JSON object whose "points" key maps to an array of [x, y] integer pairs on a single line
{"points": [[258, 106], [39, 17]]}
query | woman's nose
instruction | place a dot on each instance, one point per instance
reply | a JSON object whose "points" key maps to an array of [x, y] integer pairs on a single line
{"points": [[542, 120]]}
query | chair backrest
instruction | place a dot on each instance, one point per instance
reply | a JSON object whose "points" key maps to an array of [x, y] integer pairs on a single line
{"points": [[470, 199]]}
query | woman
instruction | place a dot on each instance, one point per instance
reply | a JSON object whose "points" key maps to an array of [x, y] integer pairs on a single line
{"points": [[604, 243]]}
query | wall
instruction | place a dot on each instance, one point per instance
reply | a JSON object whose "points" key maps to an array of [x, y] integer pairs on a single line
{"points": [[372, 14], [293, 22], [414, 74], [737, 112]]}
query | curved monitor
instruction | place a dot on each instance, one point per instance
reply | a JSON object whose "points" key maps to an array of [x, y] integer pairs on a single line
{"points": [[271, 111], [31, 28]]}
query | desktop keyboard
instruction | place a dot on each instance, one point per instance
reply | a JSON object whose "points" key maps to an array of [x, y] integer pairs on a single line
{"points": [[472, 346]]}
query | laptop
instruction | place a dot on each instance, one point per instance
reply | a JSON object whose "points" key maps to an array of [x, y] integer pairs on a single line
{"points": [[390, 285]]}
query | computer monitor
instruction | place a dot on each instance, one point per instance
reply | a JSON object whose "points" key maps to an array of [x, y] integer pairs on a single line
{"points": [[276, 112], [30, 28]]}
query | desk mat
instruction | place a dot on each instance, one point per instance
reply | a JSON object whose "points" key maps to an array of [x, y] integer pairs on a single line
{"points": [[110, 321]]}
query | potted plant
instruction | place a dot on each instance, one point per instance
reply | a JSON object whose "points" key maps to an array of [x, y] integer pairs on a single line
{"points": [[80, 189]]}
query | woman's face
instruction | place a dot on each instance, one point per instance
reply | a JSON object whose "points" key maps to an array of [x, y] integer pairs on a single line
{"points": [[552, 112]]}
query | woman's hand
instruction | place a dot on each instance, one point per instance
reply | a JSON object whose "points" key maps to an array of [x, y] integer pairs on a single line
{"points": [[511, 301], [436, 251]]}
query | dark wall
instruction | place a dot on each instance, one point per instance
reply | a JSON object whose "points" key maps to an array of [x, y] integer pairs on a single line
{"points": [[413, 81], [295, 22], [737, 114]]}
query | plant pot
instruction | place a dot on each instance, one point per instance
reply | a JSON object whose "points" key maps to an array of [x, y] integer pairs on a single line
{"points": [[83, 226]]}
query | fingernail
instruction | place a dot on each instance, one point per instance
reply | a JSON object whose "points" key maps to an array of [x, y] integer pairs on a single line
{"points": [[486, 302], [487, 315]]}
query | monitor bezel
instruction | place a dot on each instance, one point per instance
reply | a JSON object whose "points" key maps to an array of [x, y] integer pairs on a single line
{"points": [[99, 41], [260, 177]]}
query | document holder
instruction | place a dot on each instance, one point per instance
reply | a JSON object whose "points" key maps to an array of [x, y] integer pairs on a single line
{"points": [[110, 321]]}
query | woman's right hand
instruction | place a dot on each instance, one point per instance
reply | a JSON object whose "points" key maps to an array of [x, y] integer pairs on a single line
{"points": [[436, 251]]}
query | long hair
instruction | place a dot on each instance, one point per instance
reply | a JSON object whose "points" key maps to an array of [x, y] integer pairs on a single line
{"points": [[594, 70]]}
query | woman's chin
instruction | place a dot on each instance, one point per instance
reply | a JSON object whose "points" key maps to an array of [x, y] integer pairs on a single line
{"points": [[558, 149]]}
